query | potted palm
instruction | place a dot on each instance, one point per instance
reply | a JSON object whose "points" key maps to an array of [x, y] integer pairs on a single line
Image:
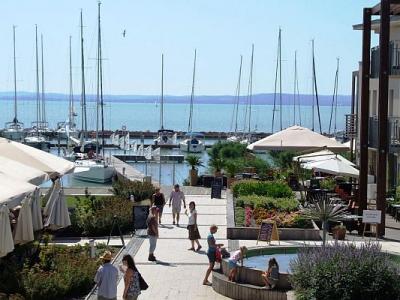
{"points": [[339, 232], [194, 162], [232, 168], [322, 210], [216, 164]]}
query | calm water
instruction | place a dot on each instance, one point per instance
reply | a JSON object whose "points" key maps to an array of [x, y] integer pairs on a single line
{"points": [[261, 262], [145, 116]]}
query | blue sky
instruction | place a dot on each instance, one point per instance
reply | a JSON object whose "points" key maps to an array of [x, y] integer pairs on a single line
{"points": [[220, 30]]}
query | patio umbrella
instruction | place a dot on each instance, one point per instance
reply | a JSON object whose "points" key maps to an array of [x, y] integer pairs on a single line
{"points": [[24, 227], [333, 166], [36, 209], [6, 239], [13, 191], [22, 172], [58, 214], [296, 138], [35, 158], [319, 156], [51, 196]]}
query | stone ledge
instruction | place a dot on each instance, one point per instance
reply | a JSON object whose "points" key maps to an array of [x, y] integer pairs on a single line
{"points": [[294, 234], [243, 291]]}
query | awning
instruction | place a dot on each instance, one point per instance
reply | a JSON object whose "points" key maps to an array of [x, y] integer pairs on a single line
{"points": [[13, 191], [21, 172], [34, 158], [320, 155], [333, 166], [297, 138]]}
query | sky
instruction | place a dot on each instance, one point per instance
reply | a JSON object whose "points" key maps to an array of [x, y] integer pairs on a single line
{"points": [[220, 30]]}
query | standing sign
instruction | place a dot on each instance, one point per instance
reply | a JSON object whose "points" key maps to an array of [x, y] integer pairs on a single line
{"points": [[268, 232], [216, 190], [373, 218]]}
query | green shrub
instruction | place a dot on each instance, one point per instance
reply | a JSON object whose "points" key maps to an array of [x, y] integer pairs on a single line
{"points": [[283, 159], [140, 190], [239, 216], [279, 204], [344, 271], [274, 189], [328, 184]]}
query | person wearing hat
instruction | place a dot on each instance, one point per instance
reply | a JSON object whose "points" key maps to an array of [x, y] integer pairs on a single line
{"points": [[211, 253], [106, 278], [152, 231]]}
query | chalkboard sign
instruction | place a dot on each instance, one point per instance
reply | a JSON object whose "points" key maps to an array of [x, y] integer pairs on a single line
{"points": [[268, 231], [216, 190]]}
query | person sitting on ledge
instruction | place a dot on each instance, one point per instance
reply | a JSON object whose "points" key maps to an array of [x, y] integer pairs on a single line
{"points": [[271, 276]]}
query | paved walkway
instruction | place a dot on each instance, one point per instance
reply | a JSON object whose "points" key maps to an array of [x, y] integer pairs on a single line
{"points": [[178, 274]]}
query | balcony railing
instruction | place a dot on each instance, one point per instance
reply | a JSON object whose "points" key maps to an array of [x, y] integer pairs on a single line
{"points": [[394, 59], [351, 126], [393, 134]]}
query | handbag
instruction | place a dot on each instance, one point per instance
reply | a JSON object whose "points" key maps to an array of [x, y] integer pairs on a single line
{"points": [[218, 256], [142, 283]]}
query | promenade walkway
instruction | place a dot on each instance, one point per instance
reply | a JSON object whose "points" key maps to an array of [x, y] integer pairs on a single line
{"points": [[178, 274]]}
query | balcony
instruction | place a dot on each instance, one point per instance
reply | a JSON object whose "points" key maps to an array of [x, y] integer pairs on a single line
{"points": [[393, 134], [394, 59], [351, 126]]}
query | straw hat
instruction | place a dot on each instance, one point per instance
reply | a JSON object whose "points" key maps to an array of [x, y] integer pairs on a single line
{"points": [[106, 256]]}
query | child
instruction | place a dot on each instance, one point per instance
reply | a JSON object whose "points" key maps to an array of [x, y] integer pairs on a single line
{"points": [[271, 276], [234, 259]]}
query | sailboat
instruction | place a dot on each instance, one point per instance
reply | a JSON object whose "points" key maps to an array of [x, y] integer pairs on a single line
{"points": [[68, 128], [14, 130], [165, 137], [94, 168], [36, 138], [278, 70], [193, 141], [234, 137], [315, 92]]}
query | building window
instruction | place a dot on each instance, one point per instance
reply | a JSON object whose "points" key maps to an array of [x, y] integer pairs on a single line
{"points": [[374, 103]]}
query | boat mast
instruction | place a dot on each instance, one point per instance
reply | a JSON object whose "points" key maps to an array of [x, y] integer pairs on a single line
{"points": [[315, 89], [278, 68], [334, 98], [162, 93], [238, 94], [38, 114], [15, 121], [83, 92], [100, 81], [250, 85], [294, 87], [43, 93], [71, 91], [190, 125]]}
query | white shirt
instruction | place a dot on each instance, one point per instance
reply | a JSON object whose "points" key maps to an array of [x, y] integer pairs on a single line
{"points": [[192, 219], [106, 279]]}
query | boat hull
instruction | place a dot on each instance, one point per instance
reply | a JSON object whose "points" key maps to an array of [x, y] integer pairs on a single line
{"points": [[14, 135], [98, 173], [186, 146]]}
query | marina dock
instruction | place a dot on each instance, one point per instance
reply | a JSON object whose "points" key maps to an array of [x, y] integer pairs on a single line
{"points": [[127, 171], [174, 158]]}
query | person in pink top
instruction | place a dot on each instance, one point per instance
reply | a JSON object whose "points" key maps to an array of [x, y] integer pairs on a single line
{"points": [[233, 262]]}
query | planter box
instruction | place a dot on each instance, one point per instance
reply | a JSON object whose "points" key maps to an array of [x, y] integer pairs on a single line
{"points": [[251, 233]]}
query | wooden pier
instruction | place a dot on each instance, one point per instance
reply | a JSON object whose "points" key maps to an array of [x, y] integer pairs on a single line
{"points": [[173, 158], [129, 172]]}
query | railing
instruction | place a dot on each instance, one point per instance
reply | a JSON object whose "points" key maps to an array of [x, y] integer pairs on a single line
{"points": [[393, 133], [394, 59], [351, 126]]}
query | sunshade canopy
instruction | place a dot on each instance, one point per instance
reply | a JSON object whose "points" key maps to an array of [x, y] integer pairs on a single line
{"points": [[320, 155], [6, 239], [34, 158], [297, 138], [334, 166], [13, 191], [21, 172]]}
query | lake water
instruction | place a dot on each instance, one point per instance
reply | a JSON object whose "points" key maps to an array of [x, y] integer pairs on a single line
{"points": [[261, 262], [146, 116]]}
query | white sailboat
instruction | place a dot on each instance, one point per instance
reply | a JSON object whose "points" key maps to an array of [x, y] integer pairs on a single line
{"points": [[35, 137], [235, 135], [165, 137], [193, 142], [94, 168], [14, 130]]}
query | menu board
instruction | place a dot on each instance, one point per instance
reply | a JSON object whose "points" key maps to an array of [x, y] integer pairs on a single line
{"points": [[268, 231], [216, 191]]}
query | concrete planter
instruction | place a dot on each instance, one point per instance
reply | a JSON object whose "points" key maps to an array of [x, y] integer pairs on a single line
{"points": [[193, 177]]}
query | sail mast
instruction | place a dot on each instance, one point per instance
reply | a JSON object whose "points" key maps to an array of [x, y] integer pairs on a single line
{"points": [[83, 92], [38, 117], [43, 93], [277, 68], [280, 77], [294, 87], [71, 92], [15, 121], [250, 86], [336, 92], [162, 93], [100, 62], [315, 89], [238, 94], [190, 125], [334, 98]]}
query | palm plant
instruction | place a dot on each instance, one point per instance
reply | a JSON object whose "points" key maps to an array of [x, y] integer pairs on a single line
{"points": [[193, 161], [217, 164], [325, 212], [232, 167]]}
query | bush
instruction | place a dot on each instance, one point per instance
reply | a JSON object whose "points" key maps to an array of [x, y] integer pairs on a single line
{"points": [[274, 189], [283, 159], [239, 216], [279, 204], [282, 219], [344, 271], [123, 188], [94, 217]]}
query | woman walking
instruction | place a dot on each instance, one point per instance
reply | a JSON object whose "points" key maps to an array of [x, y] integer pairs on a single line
{"points": [[131, 279], [211, 253], [194, 234], [152, 232], [158, 199]]}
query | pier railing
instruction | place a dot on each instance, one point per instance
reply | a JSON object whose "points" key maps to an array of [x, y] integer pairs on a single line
{"points": [[393, 133], [394, 59]]}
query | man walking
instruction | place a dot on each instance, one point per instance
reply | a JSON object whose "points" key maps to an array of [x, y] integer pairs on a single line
{"points": [[176, 197], [106, 279]]}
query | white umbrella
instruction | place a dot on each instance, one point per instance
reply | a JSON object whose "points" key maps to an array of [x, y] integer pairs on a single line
{"points": [[36, 209], [51, 196], [296, 138], [35, 158], [58, 214], [320, 155], [13, 191], [24, 228], [22, 172], [6, 239], [333, 166]]}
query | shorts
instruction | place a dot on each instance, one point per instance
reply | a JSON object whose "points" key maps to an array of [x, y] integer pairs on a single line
{"points": [[160, 209], [232, 264], [176, 210], [211, 256]]}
